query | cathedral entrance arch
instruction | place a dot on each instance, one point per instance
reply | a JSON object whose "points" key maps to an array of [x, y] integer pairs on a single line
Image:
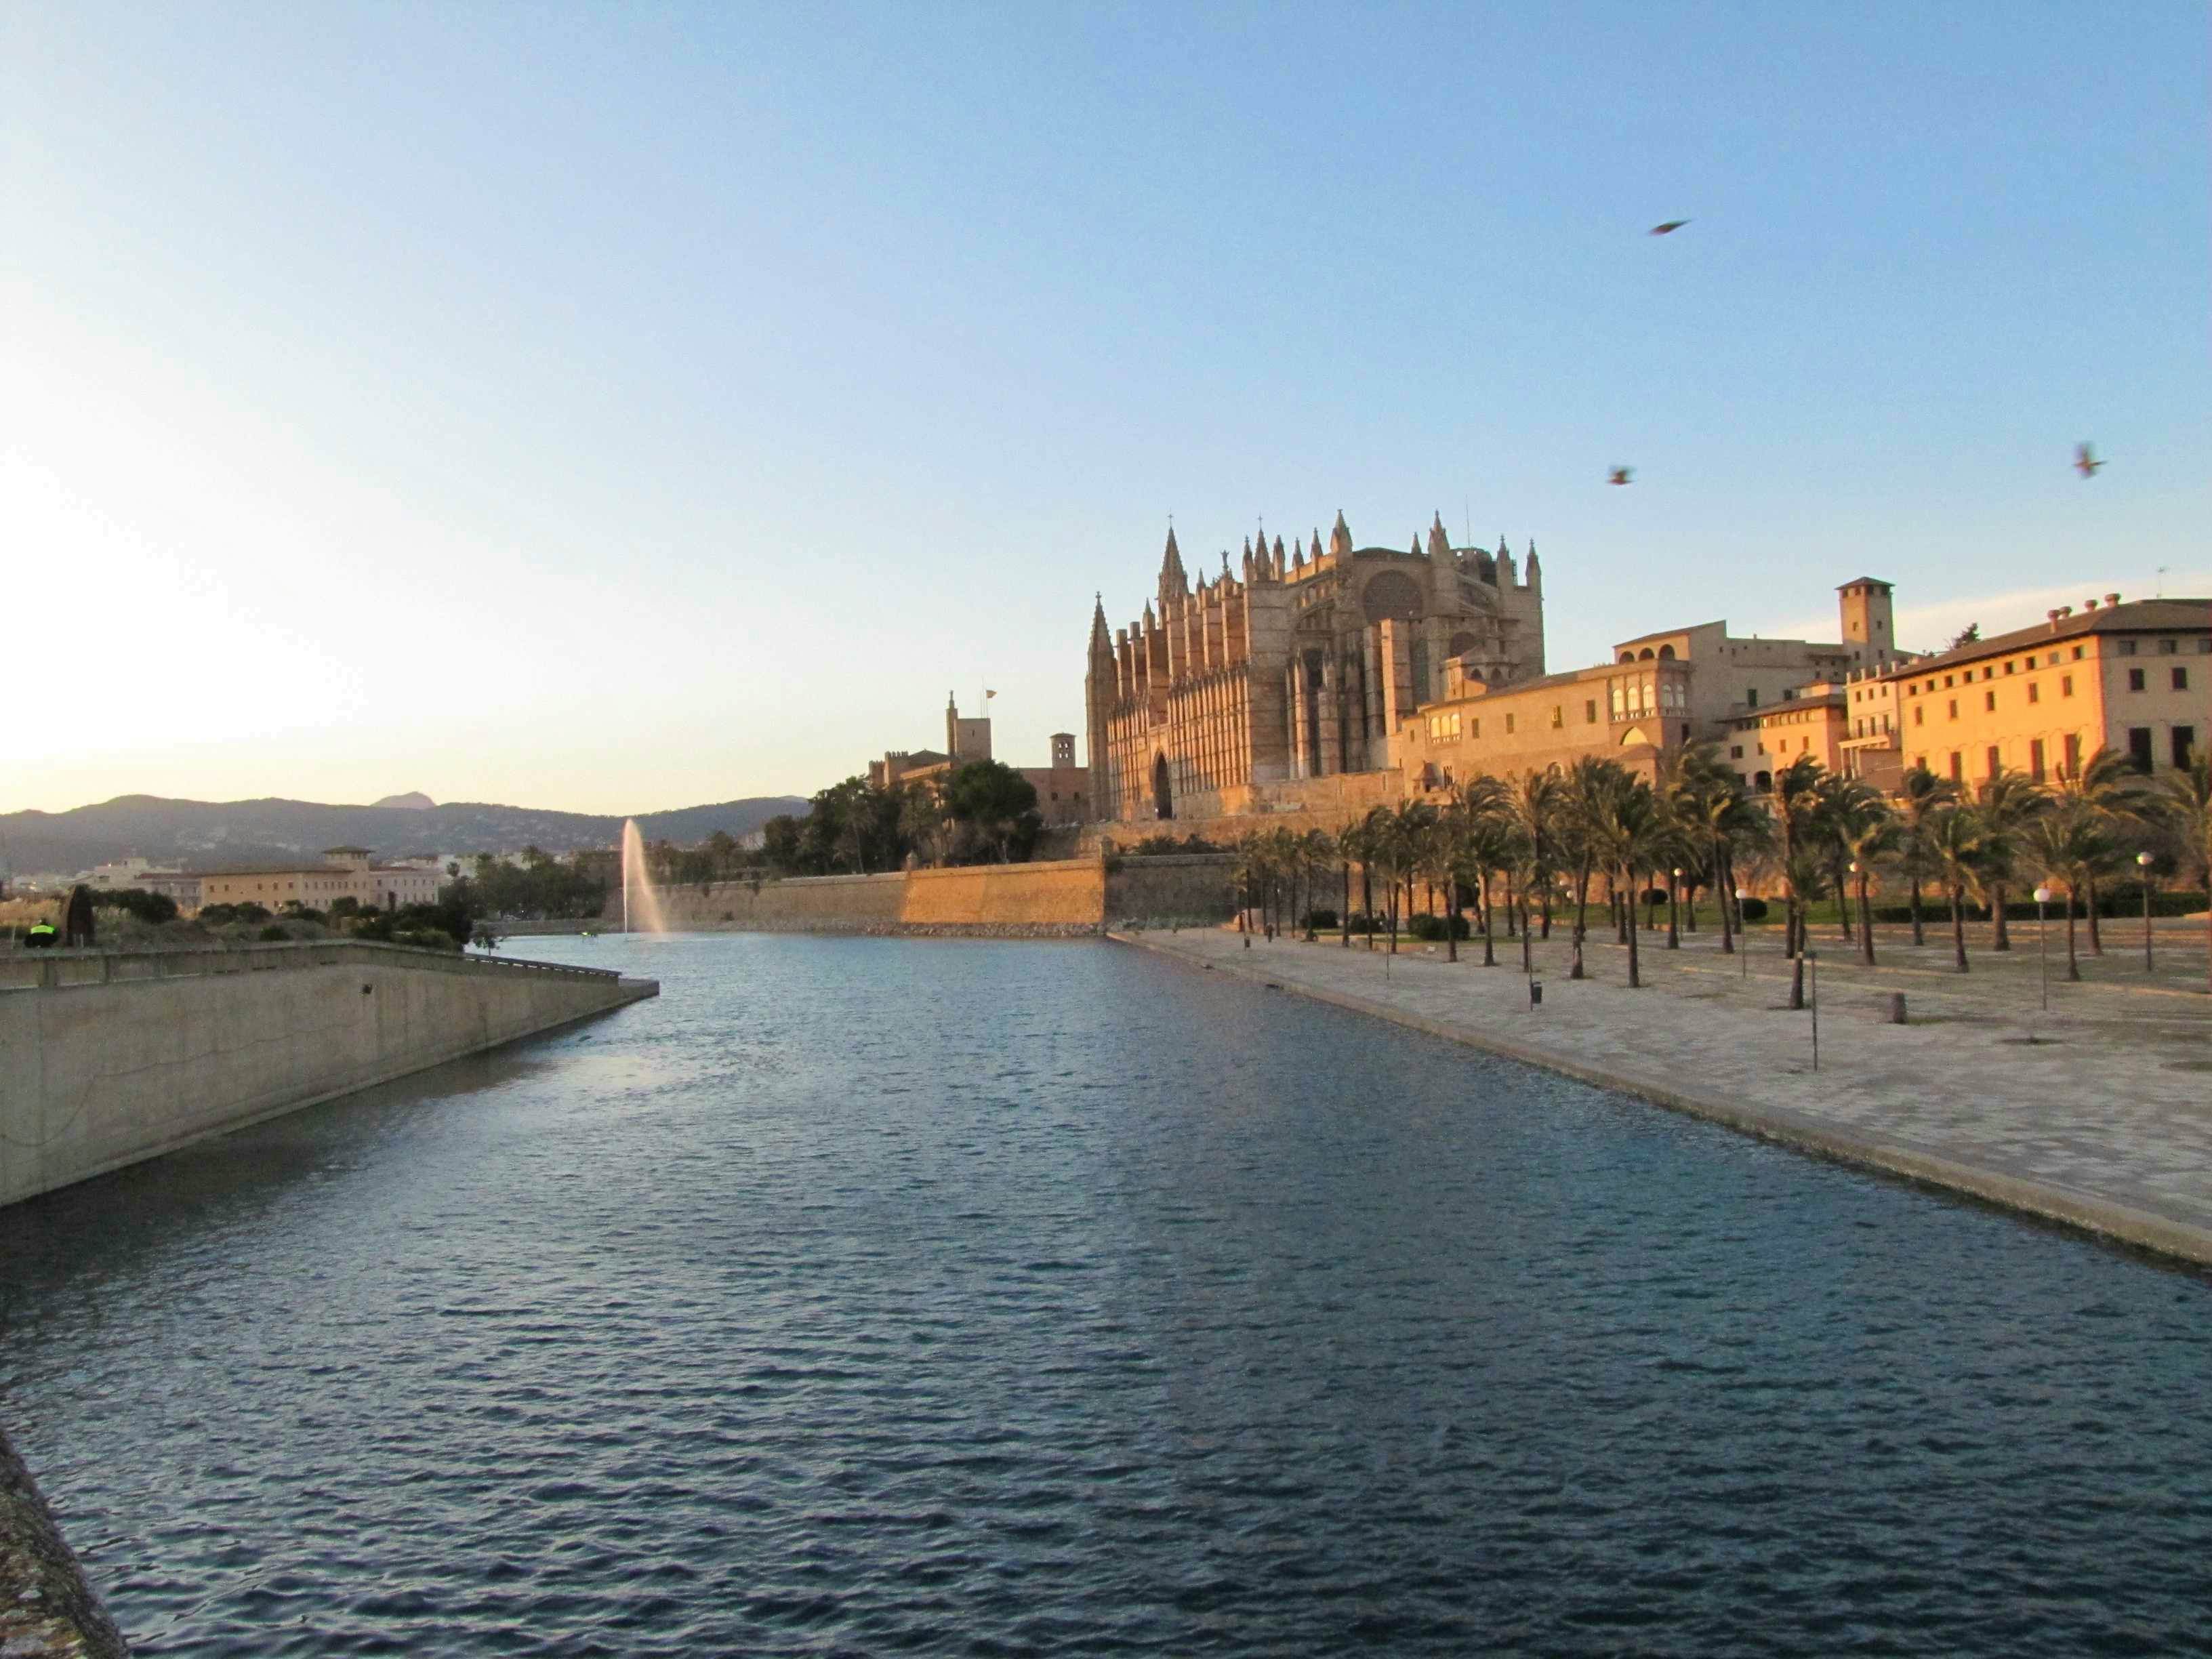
{"points": [[1162, 790]]}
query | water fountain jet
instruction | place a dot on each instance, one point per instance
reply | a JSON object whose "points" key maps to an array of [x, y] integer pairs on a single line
{"points": [[639, 900]]}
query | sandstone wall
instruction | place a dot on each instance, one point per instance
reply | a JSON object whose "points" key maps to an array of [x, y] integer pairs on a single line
{"points": [[1180, 887], [1068, 898], [97, 1075], [812, 904]]}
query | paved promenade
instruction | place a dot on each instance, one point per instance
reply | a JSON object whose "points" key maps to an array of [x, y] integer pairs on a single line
{"points": [[2098, 1113]]}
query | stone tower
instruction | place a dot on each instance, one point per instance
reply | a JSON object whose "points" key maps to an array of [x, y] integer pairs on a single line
{"points": [[1869, 628]]}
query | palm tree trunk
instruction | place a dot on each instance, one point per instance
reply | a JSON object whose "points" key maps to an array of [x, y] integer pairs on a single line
{"points": [[1367, 901], [1842, 903], [1348, 904], [1920, 936], [2000, 935], [2096, 937], [1451, 922], [1797, 983], [1674, 913], [1394, 915], [1489, 946], [1635, 980], [1527, 944], [2073, 964], [1546, 906], [1959, 925], [1866, 924], [1511, 912], [1724, 890]]}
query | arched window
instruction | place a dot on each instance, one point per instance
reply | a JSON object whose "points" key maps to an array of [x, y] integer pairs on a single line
{"points": [[1644, 655], [1666, 654]]}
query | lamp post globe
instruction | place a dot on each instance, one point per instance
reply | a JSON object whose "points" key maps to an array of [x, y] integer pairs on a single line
{"points": [[2042, 944], [1743, 956]]}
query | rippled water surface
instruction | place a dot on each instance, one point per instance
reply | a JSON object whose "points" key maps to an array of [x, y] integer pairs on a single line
{"points": [[902, 1296]]}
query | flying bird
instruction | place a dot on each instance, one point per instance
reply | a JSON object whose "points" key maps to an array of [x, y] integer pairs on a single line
{"points": [[1671, 226], [1620, 475], [2085, 461]]}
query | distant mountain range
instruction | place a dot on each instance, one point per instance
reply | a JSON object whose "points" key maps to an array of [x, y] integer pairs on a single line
{"points": [[198, 835]]}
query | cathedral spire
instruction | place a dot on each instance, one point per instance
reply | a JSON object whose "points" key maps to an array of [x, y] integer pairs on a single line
{"points": [[1439, 541], [1340, 539], [1100, 638], [1172, 579]]}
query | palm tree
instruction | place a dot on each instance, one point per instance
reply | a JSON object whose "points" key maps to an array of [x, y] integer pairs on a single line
{"points": [[1630, 835], [1317, 853], [1921, 794], [2182, 801], [1591, 783], [1248, 857], [1791, 801], [2071, 844], [2108, 785], [1866, 828], [1403, 832], [2009, 802], [1954, 836]]}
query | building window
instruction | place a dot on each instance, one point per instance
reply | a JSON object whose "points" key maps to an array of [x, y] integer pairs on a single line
{"points": [[2035, 759], [2034, 692], [1558, 717], [2204, 646], [2077, 653], [1949, 680], [2139, 747], [2073, 754], [1997, 763], [2135, 679], [2009, 668], [1509, 723], [2185, 744], [2065, 685], [1589, 711], [1917, 713], [2181, 679], [1958, 767], [2127, 647], [1474, 726], [1735, 751], [1750, 697], [1989, 702], [1954, 707], [2167, 647]]}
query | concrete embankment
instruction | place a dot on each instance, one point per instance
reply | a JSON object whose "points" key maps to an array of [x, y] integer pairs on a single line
{"points": [[2092, 1114], [1062, 898], [47, 1609], [107, 1058]]}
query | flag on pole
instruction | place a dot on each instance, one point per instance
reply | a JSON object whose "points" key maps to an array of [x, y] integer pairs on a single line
{"points": [[988, 696]]}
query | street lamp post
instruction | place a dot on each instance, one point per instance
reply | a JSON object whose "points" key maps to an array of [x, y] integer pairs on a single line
{"points": [[1674, 910], [1743, 949], [1813, 962], [2142, 863], [2043, 944]]}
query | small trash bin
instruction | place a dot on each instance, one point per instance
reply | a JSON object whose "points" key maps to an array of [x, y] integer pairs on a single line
{"points": [[1535, 994]]}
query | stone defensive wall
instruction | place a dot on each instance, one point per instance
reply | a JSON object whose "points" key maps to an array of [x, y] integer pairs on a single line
{"points": [[1303, 804], [110, 1057], [1063, 897]]}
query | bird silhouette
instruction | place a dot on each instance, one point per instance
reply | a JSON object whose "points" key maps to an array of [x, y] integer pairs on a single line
{"points": [[1671, 226], [2085, 461], [1620, 475]]}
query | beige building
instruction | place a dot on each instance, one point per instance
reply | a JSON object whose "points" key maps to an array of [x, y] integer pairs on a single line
{"points": [[345, 873], [1660, 691], [2135, 678], [1283, 670]]}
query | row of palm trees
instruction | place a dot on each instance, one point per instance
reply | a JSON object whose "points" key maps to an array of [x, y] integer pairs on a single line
{"points": [[1519, 849]]}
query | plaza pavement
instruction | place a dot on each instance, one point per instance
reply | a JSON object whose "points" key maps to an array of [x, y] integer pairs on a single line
{"points": [[2097, 1113]]}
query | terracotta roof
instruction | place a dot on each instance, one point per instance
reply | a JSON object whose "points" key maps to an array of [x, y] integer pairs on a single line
{"points": [[2135, 617]]}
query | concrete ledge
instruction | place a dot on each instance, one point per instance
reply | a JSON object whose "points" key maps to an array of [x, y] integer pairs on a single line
{"points": [[2088, 1213], [47, 1609]]}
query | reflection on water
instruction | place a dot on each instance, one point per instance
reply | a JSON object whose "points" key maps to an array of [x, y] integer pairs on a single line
{"points": [[945, 1296]]}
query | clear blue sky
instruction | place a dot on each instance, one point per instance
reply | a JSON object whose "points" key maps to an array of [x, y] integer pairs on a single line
{"points": [[620, 408]]}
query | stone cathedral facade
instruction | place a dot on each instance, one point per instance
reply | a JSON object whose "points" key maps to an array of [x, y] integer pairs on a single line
{"points": [[1294, 666]]}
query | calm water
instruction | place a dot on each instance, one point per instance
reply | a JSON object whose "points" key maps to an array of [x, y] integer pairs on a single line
{"points": [[875, 1295]]}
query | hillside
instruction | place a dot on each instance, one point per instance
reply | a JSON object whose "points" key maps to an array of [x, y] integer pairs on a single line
{"points": [[213, 835]]}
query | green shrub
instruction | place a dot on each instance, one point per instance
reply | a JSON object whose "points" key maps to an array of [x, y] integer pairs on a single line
{"points": [[273, 934], [154, 907], [1321, 919], [215, 915], [1755, 909], [1434, 928]]}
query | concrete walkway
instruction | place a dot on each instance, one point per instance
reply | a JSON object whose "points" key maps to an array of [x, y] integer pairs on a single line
{"points": [[2098, 1113]]}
